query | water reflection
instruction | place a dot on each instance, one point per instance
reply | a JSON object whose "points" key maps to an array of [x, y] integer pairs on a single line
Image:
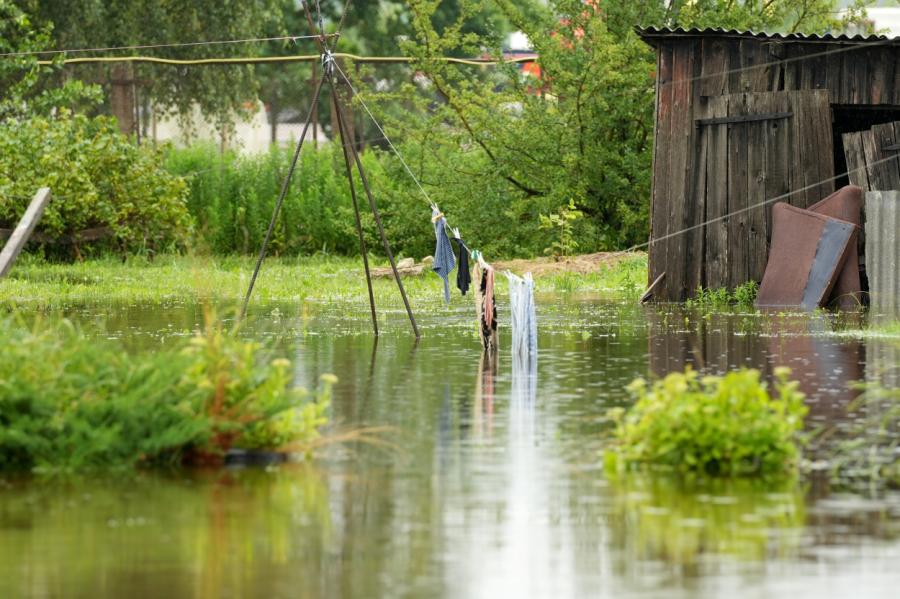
{"points": [[823, 364], [496, 489]]}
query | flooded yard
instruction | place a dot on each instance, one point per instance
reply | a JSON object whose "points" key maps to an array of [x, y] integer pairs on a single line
{"points": [[484, 479]]}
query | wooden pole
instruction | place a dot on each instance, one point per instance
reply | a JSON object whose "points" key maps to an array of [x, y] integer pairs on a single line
{"points": [[284, 189], [23, 230], [374, 207], [362, 243]]}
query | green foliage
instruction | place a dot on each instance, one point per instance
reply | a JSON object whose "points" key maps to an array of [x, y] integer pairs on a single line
{"points": [[249, 405], [68, 402], [220, 92], [561, 223], [742, 296], [726, 426], [97, 178], [22, 78], [232, 197]]}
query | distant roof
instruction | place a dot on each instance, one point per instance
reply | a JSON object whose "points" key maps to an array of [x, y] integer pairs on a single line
{"points": [[654, 34]]}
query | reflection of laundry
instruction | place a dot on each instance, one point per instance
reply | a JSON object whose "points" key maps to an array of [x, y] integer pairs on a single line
{"points": [[522, 318], [483, 409], [522, 396]]}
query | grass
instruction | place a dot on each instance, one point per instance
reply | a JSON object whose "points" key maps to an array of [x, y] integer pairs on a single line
{"points": [[35, 283]]}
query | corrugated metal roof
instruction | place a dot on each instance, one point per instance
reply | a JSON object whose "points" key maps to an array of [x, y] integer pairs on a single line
{"points": [[655, 33]]}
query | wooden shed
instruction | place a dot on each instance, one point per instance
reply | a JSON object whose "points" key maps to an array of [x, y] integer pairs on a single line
{"points": [[746, 119]]}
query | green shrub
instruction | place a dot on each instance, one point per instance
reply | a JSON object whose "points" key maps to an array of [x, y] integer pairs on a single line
{"points": [[231, 196], [69, 402], [98, 178], [742, 296], [726, 425]]}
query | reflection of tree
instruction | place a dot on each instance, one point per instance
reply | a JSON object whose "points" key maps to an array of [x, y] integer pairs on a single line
{"points": [[224, 533], [663, 519]]}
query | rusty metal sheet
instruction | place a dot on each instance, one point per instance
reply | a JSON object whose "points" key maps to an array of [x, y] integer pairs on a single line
{"points": [[845, 204], [808, 251]]}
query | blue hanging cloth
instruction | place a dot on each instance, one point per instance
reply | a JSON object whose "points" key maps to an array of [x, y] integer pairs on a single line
{"points": [[444, 259]]}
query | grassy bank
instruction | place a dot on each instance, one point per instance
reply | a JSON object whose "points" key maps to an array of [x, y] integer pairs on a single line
{"points": [[34, 283]]}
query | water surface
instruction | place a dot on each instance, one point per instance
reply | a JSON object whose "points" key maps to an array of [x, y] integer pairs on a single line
{"points": [[489, 483]]}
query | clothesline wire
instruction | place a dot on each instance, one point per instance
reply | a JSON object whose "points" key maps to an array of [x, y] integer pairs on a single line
{"points": [[387, 139], [765, 202], [321, 35], [171, 45]]}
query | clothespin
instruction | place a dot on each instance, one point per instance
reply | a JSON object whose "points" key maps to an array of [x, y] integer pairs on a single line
{"points": [[456, 233]]}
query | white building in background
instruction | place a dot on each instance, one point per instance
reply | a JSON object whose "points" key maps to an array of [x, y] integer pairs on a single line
{"points": [[253, 135], [884, 15]]}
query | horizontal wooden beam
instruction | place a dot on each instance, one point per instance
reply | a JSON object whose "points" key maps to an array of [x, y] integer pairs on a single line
{"points": [[745, 118]]}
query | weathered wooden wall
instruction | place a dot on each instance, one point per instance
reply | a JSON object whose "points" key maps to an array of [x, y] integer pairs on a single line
{"points": [[706, 172]]}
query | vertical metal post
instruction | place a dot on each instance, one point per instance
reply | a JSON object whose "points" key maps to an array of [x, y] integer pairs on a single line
{"points": [[387, 247]]}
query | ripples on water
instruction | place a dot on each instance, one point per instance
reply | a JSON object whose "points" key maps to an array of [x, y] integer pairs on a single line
{"points": [[495, 487]]}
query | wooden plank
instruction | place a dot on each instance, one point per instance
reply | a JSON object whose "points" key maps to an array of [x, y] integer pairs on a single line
{"points": [[856, 160], [878, 75], [775, 71], [857, 72], [812, 69], [791, 67], [753, 56], [717, 197], [756, 187], [744, 118], [813, 143], [778, 165], [738, 223], [734, 83], [715, 53], [889, 170], [872, 155], [823, 149], [659, 210], [680, 152], [695, 212], [834, 76], [23, 230]]}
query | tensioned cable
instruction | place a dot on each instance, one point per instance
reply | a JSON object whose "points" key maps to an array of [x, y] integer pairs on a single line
{"points": [[652, 241], [297, 58], [754, 206], [173, 45], [387, 139]]}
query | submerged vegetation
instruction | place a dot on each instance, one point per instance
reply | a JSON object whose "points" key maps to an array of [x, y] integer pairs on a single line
{"points": [[68, 402], [741, 296], [721, 425]]}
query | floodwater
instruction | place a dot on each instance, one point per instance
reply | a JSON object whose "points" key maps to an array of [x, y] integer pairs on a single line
{"points": [[487, 480]]}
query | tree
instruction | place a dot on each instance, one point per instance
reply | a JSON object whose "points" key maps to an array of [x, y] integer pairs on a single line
{"points": [[21, 75], [580, 137], [219, 91]]}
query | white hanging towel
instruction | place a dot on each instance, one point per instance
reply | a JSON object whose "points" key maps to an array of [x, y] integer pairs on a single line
{"points": [[523, 319]]}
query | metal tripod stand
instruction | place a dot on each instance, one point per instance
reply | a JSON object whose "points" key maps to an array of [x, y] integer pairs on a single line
{"points": [[351, 157]]}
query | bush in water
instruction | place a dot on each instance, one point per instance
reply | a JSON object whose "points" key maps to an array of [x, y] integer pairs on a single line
{"points": [[68, 402], [722, 425], [98, 178]]}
